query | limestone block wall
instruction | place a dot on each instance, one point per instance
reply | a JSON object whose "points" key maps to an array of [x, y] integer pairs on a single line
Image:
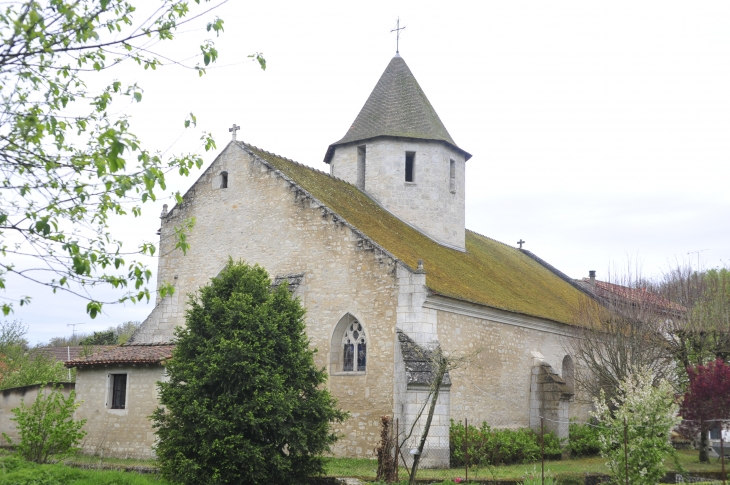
{"points": [[418, 322], [119, 433], [261, 219], [12, 398], [430, 203], [495, 385]]}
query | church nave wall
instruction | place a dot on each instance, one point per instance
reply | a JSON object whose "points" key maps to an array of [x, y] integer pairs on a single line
{"points": [[495, 386], [260, 219]]}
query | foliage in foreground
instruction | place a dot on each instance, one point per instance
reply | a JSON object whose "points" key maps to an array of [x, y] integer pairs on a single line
{"points": [[583, 440], [706, 401], [494, 446], [69, 161], [643, 416], [47, 428], [244, 402]]}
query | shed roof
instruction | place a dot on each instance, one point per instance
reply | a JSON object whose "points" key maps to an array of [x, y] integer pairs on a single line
{"points": [[397, 107], [126, 354], [488, 273]]}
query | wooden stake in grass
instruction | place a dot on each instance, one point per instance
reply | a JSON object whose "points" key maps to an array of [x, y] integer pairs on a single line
{"points": [[626, 451]]}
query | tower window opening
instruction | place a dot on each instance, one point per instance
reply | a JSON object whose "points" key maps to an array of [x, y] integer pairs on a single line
{"points": [[452, 175], [361, 167], [224, 180], [410, 161]]}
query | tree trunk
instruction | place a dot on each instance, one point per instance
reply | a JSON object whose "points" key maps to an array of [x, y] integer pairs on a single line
{"points": [[437, 386], [704, 444]]}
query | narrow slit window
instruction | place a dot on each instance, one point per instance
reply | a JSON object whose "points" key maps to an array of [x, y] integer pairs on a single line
{"points": [[361, 167], [224, 180], [119, 391], [452, 175], [410, 161]]}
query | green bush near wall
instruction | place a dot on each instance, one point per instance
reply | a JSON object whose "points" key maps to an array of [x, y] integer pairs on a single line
{"points": [[583, 440], [494, 446]]}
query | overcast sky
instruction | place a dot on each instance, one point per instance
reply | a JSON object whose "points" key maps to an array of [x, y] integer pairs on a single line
{"points": [[600, 131]]}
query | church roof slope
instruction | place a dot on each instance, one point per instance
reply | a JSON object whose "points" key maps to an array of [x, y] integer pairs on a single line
{"points": [[397, 107], [488, 273]]}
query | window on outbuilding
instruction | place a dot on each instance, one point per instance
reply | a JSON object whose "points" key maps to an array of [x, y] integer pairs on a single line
{"points": [[119, 391], [224, 180], [410, 166]]}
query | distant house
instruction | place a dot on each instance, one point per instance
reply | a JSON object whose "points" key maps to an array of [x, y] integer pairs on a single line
{"points": [[73, 352]]}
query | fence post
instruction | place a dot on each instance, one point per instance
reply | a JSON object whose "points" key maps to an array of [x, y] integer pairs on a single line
{"points": [[542, 447], [397, 449], [466, 451], [626, 451], [722, 455]]}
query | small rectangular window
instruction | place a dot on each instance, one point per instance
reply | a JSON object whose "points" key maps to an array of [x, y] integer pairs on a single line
{"points": [[361, 167], [119, 391], [452, 175], [410, 162]]}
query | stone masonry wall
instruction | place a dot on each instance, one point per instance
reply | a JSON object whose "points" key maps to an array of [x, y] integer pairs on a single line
{"points": [[260, 219], [118, 433], [495, 385], [12, 398], [427, 203]]}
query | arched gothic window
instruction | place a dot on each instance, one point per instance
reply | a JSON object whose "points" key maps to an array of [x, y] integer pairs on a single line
{"points": [[354, 356]]}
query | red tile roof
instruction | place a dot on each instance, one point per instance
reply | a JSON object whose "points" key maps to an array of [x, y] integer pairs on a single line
{"points": [[636, 295], [128, 354], [62, 353]]}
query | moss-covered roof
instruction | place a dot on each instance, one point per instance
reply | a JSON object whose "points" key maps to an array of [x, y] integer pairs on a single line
{"points": [[397, 107], [489, 272]]}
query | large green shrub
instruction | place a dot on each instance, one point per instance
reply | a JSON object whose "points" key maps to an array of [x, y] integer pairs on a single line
{"points": [[46, 427], [583, 440], [493, 446], [244, 402]]}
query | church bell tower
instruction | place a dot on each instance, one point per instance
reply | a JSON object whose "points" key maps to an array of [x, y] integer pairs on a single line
{"points": [[399, 153]]}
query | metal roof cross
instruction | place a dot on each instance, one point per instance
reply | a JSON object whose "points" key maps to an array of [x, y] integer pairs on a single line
{"points": [[520, 242], [233, 129], [397, 30]]}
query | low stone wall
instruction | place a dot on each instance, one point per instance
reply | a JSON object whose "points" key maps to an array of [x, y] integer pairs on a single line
{"points": [[11, 398]]}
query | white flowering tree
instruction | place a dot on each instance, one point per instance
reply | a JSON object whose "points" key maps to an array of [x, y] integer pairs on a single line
{"points": [[635, 428]]}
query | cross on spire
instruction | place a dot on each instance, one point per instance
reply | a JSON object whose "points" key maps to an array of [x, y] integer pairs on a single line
{"points": [[397, 30], [233, 129], [520, 242]]}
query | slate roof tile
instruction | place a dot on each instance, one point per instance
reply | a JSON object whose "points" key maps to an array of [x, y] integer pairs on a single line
{"points": [[397, 107]]}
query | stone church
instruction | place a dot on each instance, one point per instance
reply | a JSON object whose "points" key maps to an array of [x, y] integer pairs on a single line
{"points": [[377, 251]]}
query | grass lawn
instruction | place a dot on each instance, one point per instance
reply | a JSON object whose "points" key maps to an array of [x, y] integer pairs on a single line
{"points": [[349, 467], [18, 472]]}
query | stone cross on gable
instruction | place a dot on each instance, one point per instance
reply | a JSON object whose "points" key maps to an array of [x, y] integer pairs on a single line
{"points": [[233, 129], [397, 30], [520, 242]]}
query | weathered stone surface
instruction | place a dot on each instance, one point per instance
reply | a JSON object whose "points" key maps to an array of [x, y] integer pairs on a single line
{"points": [[12, 398], [428, 203], [120, 433]]}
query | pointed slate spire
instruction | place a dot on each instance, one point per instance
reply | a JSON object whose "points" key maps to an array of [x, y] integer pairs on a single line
{"points": [[397, 107]]}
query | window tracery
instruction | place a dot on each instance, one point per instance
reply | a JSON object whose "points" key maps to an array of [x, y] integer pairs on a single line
{"points": [[354, 346]]}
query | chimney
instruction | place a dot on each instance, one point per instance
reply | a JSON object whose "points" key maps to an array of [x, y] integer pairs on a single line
{"points": [[592, 276]]}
